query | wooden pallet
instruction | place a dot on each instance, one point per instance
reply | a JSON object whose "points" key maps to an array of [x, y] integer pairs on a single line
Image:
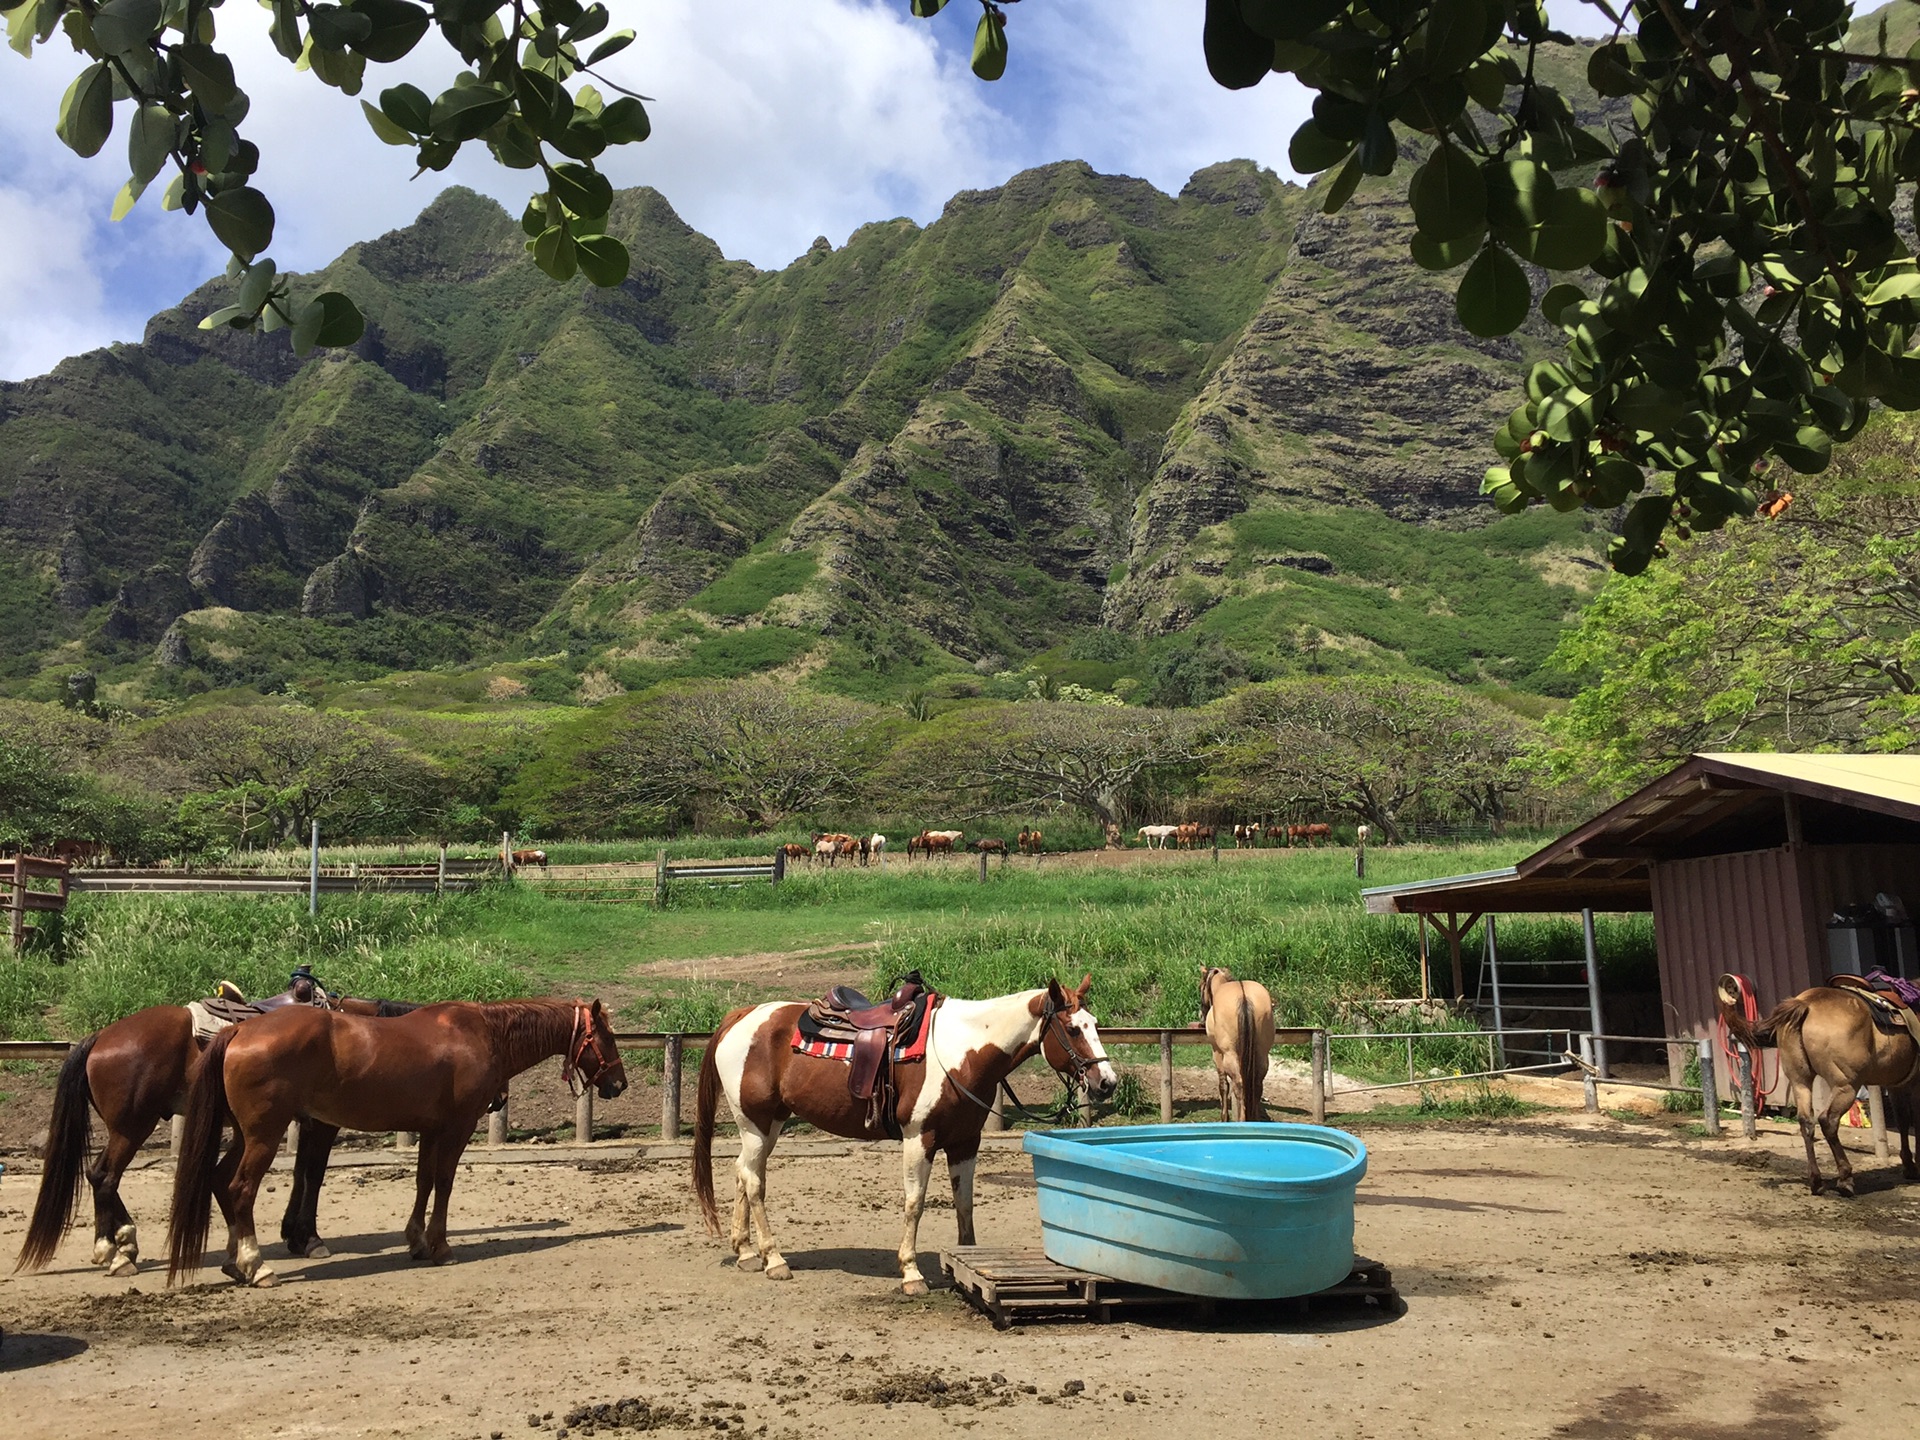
{"points": [[1010, 1284]]}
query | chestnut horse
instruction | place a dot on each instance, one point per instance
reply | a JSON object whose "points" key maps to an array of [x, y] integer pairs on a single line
{"points": [[1828, 1033], [1238, 1015], [433, 1072], [972, 1046], [135, 1072]]}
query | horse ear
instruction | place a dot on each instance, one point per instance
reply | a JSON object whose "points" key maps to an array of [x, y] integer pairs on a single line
{"points": [[598, 1010], [1086, 984], [1054, 992]]}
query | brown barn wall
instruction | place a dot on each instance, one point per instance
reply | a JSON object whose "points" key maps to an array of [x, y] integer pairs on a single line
{"points": [[1747, 911], [1844, 875]]}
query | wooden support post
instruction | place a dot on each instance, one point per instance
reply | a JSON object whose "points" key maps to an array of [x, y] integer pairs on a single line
{"points": [[1747, 1109], [1166, 1077], [997, 1112], [660, 880], [983, 867], [780, 865], [506, 854], [670, 1090], [1709, 1091], [440, 880], [1320, 1067], [176, 1133], [497, 1123], [583, 1117], [1595, 1012], [313, 873], [1590, 1091], [1877, 1118], [406, 1140], [1459, 972], [1426, 975], [17, 903], [1676, 1063], [1499, 1010]]}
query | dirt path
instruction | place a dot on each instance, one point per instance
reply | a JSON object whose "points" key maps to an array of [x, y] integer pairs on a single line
{"points": [[1568, 1277]]}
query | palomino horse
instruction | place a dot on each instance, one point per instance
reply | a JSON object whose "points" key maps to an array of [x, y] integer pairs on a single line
{"points": [[943, 1101], [135, 1072], [433, 1072], [1238, 1015], [1828, 1033]]}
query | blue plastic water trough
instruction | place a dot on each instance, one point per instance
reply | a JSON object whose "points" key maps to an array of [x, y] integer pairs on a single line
{"points": [[1248, 1212]]}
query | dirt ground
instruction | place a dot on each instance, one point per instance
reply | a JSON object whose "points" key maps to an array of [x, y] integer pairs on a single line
{"points": [[1562, 1277]]}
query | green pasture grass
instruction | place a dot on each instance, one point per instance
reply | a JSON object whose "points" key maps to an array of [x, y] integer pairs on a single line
{"points": [[1292, 920]]}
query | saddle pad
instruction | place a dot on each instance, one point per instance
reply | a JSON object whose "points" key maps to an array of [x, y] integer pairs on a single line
{"points": [[810, 1037], [208, 1021]]}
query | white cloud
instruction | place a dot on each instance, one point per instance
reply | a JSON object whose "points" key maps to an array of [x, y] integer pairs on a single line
{"points": [[773, 122]]}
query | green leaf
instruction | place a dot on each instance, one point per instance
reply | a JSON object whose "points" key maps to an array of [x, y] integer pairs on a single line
{"points": [[515, 145], [120, 25], [544, 101], [242, 219], [408, 107], [209, 74], [1895, 287], [927, 9], [1312, 149], [990, 46], [583, 190], [1448, 195], [615, 43], [1445, 254], [335, 28], [1518, 193], [1288, 19], [553, 251], [128, 197], [396, 27], [149, 141], [1494, 296], [463, 112], [341, 323], [257, 285], [1571, 233], [1610, 71], [226, 315], [1343, 186], [603, 259], [86, 113], [1457, 35], [625, 122], [1553, 304], [1237, 54], [1808, 452], [389, 132], [286, 29]]}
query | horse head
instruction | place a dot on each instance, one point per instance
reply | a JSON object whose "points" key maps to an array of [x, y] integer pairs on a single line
{"points": [[1070, 1040], [593, 1053]]}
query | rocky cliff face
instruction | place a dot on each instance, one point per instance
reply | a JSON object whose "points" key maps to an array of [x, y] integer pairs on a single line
{"points": [[1041, 413]]}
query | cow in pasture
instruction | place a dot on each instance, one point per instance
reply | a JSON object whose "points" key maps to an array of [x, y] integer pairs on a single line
{"points": [[1155, 837], [529, 857], [1032, 842]]}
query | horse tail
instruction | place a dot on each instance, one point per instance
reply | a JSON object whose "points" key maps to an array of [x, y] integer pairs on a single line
{"points": [[200, 1126], [705, 1104], [1247, 1047], [1756, 1035], [69, 1146]]}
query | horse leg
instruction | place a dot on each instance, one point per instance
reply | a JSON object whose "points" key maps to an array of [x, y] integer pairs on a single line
{"points": [[1226, 1091], [1803, 1111], [251, 1160], [422, 1188], [300, 1227], [916, 1167], [1843, 1098], [962, 1156], [750, 1208], [116, 1243], [445, 1163], [1905, 1104]]}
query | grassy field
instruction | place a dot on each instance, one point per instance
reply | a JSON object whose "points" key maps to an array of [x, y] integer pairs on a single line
{"points": [[1290, 919]]}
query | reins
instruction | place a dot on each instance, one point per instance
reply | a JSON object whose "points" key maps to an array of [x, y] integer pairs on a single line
{"points": [[1049, 1021], [577, 1052]]}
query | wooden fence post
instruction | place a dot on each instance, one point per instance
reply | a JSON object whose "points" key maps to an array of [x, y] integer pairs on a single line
{"points": [[313, 873], [1709, 1092], [780, 865], [176, 1133], [1747, 1107], [1877, 1118], [1166, 1077], [583, 1117], [660, 880], [440, 880], [497, 1123], [983, 867], [406, 1140], [1320, 1068], [670, 1091], [1676, 1063], [17, 903], [997, 1112]]}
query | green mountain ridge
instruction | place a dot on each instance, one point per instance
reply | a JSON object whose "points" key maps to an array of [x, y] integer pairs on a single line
{"points": [[1071, 405]]}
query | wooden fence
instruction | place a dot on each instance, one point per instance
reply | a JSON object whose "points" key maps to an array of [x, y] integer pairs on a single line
{"points": [[18, 877]]}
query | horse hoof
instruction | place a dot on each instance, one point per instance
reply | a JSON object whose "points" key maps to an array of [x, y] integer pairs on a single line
{"points": [[779, 1272], [317, 1250], [913, 1287], [264, 1278], [234, 1273], [1844, 1189], [103, 1250], [750, 1263], [124, 1265]]}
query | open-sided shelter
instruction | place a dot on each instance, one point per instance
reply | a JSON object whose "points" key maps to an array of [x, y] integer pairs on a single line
{"points": [[1742, 859]]}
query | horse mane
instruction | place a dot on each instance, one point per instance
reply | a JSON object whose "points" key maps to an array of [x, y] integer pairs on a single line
{"points": [[514, 1020]]}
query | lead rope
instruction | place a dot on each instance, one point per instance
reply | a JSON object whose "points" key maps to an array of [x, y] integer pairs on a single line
{"points": [[1055, 1117]]}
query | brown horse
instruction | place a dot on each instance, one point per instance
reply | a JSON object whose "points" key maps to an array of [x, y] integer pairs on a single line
{"points": [[433, 1072], [136, 1072], [1238, 1015], [943, 1101], [1828, 1034]]}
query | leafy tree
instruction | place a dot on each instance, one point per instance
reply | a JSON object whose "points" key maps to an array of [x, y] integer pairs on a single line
{"points": [[294, 766], [1042, 754], [1719, 177], [45, 797], [1194, 672], [160, 65], [1800, 631], [1375, 749], [753, 752]]}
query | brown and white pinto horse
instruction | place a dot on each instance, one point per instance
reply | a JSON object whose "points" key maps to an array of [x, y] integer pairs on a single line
{"points": [[972, 1046], [433, 1072]]}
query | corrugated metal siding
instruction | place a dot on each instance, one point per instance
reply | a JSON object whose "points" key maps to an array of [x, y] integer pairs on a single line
{"points": [[1748, 912], [1844, 875]]}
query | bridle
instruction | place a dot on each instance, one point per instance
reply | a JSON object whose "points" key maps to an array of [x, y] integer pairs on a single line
{"points": [[583, 1040], [1050, 1025]]}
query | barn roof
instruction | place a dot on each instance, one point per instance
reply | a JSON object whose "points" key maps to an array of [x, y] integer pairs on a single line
{"points": [[1712, 804]]}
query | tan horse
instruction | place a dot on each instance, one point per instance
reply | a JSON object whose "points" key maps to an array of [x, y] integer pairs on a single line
{"points": [[1828, 1034], [1238, 1015]]}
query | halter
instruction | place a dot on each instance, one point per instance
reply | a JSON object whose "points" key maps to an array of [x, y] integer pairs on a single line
{"points": [[1050, 1023], [578, 1049]]}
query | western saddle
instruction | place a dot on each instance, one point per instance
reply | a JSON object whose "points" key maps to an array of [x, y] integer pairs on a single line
{"points": [[1891, 1000], [876, 1032]]}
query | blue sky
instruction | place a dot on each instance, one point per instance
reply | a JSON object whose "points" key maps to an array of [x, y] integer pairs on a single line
{"points": [[774, 121]]}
